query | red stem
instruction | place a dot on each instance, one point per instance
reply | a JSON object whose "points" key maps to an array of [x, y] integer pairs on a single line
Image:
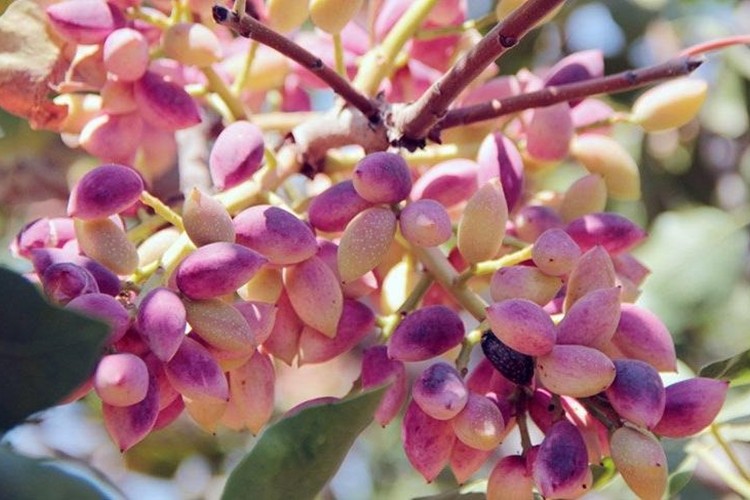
{"points": [[248, 27], [611, 84]]}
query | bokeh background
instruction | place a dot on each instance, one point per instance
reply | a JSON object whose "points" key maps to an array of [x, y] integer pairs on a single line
{"points": [[696, 206]]}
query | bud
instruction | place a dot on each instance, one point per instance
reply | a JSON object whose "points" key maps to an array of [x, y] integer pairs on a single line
{"points": [[555, 253], [332, 15], [206, 220], [357, 320], [277, 234], [315, 294], [480, 423], [335, 207], [252, 391], [161, 321], [427, 442], [104, 308], [499, 157], [575, 370], [121, 379], [191, 44], [603, 155], [593, 271], [105, 241], [641, 335], [365, 242], [125, 54], [128, 425], [220, 325], [482, 226], [585, 196], [522, 325], [216, 269], [669, 105], [449, 183], [377, 369], [440, 391], [691, 406], [524, 282], [514, 366], [425, 223], [637, 393], [561, 468], [382, 177], [236, 155], [195, 374], [614, 232], [84, 21], [426, 333], [510, 479], [165, 104], [104, 191], [641, 461], [592, 320]]}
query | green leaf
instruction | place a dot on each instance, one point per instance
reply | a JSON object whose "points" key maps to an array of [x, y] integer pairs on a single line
{"points": [[24, 478], [297, 456], [735, 369], [45, 352], [678, 481]]}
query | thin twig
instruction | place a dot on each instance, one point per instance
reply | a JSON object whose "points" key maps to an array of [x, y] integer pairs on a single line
{"points": [[414, 121], [248, 27], [611, 84]]}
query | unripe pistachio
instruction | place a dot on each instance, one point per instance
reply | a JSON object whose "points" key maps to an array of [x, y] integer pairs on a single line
{"points": [[195, 373], [64, 281], [332, 15], [104, 191], [479, 424], [106, 280], [641, 461], [157, 153], [670, 104], [206, 412], [555, 253], [426, 333], [315, 294], [118, 98], [220, 325], [397, 285], [113, 137], [614, 232], [82, 108], [365, 242], [603, 155], [335, 207], [382, 177], [217, 269], [251, 389], [523, 326], [499, 157], [532, 220], [593, 271], [206, 220], [510, 479], [128, 425], [265, 286], [592, 320], [161, 321], [42, 233], [440, 391], [641, 335], [482, 226], [378, 368], [125, 54], [260, 317], [427, 441], [576, 67], [357, 320], [283, 343], [549, 132], [169, 413], [165, 104], [286, 15], [275, 233], [104, 308], [575, 370], [84, 21], [524, 282], [514, 366], [691, 406], [105, 241], [561, 468], [585, 196], [191, 44], [236, 155], [121, 379], [637, 393], [425, 223], [449, 183], [465, 460]]}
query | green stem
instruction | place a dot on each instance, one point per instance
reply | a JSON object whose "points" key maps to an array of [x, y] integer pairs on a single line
{"points": [[477, 24], [154, 18], [467, 345], [217, 85], [523, 428], [145, 228], [163, 210], [511, 259], [338, 52], [241, 80], [715, 431], [378, 63]]}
